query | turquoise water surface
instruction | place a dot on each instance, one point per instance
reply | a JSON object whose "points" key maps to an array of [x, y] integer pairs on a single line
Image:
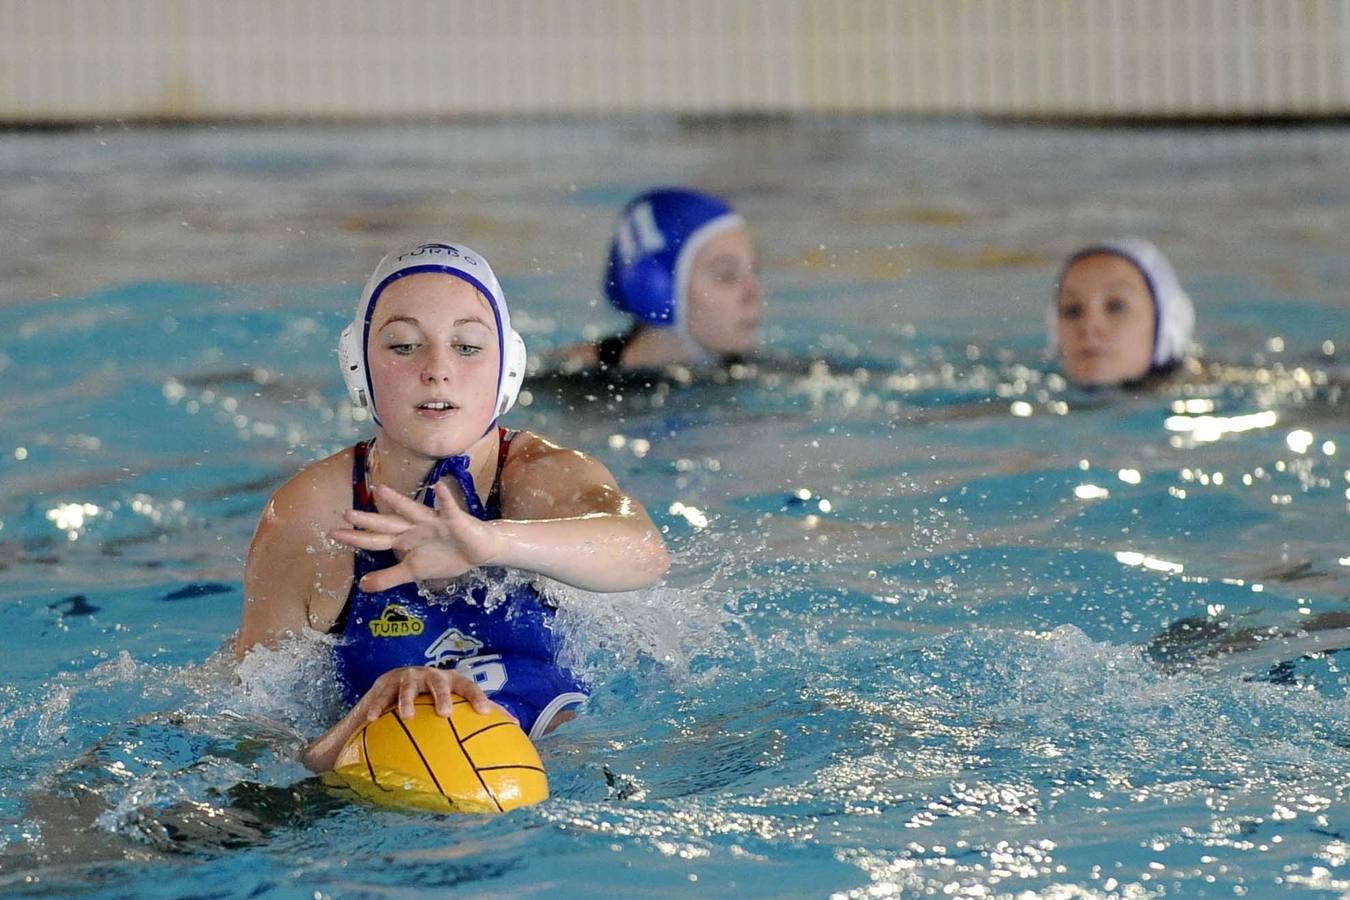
{"points": [[937, 622]]}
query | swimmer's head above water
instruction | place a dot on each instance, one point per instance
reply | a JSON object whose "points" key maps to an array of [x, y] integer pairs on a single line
{"points": [[470, 356], [1119, 314], [682, 264]]}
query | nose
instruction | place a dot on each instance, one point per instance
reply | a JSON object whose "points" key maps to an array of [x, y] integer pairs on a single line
{"points": [[753, 295], [1092, 324], [436, 365]]}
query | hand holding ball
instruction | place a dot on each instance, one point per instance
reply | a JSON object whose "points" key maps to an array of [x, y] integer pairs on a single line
{"points": [[464, 762]]}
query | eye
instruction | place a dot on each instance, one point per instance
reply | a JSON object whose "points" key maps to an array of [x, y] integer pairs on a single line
{"points": [[1071, 310], [403, 349], [726, 272], [464, 349], [1116, 306]]}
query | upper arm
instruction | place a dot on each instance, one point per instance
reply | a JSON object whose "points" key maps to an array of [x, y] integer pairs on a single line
{"points": [[288, 561], [274, 587]]}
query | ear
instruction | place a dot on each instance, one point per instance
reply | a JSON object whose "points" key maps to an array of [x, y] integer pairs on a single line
{"points": [[353, 366], [648, 290]]}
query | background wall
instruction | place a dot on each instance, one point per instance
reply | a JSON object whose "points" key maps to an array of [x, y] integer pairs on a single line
{"points": [[79, 60]]}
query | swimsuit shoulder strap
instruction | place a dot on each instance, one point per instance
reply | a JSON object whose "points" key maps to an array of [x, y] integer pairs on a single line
{"points": [[494, 500], [609, 351], [362, 498]]}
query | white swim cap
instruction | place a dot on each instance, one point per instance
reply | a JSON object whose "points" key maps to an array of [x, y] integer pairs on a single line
{"points": [[1174, 314], [447, 258]]}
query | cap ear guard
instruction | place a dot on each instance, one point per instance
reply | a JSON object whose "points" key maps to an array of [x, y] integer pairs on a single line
{"points": [[354, 373], [353, 368], [648, 291], [513, 371], [456, 261]]}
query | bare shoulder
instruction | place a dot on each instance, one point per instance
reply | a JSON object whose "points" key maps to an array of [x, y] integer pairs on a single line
{"points": [[542, 479], [321, 490], [531, 453], [312, 501]]}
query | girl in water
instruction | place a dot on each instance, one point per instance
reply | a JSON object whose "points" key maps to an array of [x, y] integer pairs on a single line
{"points": [[440, 491], [1120, 316], [682, 266]]}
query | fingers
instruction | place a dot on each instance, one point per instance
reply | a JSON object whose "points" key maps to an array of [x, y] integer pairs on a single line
{"points": [[406, 507], [401, 687], [384, 579], [374, 521], [376, 700], [467, 688], [443, 693], [362, 540], [410, 685], [446, 504]]}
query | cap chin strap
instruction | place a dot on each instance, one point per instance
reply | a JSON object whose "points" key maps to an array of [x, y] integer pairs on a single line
{"points": [[458, 466]]}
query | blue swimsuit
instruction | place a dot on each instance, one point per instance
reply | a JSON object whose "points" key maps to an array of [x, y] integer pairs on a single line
{"points": [[510, 650]]}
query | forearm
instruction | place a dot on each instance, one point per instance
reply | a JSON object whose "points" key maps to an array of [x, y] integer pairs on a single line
{"points": [[597, 552], [323, 752]]}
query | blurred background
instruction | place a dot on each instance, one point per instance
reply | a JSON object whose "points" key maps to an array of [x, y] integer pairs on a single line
{"points": [[66, 61], [939, 624]]}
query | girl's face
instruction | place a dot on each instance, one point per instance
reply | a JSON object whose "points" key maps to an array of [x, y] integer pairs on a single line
{"points": [[724, 296], [1106, 322], [434, 360]]}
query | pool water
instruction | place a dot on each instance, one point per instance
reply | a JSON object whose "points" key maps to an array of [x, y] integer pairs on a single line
{"points": [[937, 622]]}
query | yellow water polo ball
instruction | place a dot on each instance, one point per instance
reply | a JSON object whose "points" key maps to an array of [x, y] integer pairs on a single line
{"points": [[464, 762]]}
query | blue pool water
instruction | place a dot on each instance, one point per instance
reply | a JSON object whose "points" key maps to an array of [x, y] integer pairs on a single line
{"points": [[937, 624]]}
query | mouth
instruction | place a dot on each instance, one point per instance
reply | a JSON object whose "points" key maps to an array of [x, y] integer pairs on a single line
{"points": [[436, 407]]}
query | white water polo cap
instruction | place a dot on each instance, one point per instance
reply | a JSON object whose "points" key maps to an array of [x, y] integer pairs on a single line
{"points": [[1173, 312], [446, 258]]}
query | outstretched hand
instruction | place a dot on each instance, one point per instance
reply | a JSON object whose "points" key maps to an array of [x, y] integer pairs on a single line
{"points": [[444, 542]]}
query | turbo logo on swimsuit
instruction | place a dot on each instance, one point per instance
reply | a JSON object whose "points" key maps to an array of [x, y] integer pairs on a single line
{"points": [[395, 622]]}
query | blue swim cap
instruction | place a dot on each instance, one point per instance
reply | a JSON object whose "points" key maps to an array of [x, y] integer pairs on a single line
{"points": [[653, 250]]}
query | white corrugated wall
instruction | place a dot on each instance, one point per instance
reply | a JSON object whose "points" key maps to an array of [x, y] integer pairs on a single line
{"points": [[64, 60]]}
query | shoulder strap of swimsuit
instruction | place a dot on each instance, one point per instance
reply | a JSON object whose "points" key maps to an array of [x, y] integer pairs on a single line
{"points": [[361, 495], [361, 499], [494, 501], [609, 351]]}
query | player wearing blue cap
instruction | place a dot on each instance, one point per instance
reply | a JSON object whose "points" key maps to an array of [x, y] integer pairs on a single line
{"points": [[1119, 315], [441, 491], [682, 266]]}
